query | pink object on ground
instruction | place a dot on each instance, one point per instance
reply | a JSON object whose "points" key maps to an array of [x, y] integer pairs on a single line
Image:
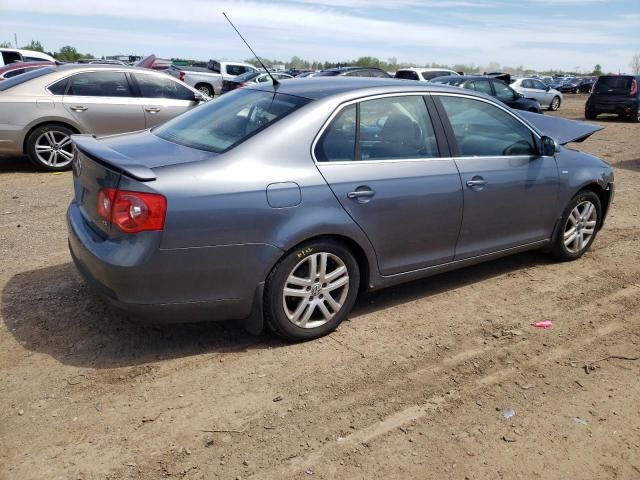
{"points": [[543, 324]]}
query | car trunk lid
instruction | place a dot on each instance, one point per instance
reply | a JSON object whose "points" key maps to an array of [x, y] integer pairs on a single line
{"points": [[561, 130]]}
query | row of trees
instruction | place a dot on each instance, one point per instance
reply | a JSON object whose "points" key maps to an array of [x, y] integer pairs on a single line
{"points": [[65, 54], [70, 54]]}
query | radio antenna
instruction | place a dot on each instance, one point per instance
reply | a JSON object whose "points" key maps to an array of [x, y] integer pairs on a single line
{"points": [[275, 82]]}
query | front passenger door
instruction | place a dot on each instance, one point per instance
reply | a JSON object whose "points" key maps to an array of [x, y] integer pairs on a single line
{"points": [[510, 190], [162, 97]]}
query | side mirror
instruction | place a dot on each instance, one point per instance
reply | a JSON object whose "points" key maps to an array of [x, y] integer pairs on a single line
{"points": [[547, 88], [549, 146], [198, 97]]}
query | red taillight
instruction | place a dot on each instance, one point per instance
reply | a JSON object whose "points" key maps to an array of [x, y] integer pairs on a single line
{"points": [[132, 212], [182, 76], [634, 87]]}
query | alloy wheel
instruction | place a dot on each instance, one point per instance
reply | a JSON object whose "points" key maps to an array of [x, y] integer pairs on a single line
{"points": [[555, 103], [54, 149], [580, 226], [315, 290]]}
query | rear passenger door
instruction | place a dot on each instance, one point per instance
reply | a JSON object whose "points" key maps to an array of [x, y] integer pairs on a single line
{"points": [[162, 97], [386, 162], [101, 102], [510, 190]]}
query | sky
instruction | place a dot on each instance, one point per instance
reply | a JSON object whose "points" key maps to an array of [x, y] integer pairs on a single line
{"points": [[538, 34]]}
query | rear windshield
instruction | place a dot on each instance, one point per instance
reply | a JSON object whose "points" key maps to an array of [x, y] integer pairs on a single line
{"points": [[613, 84], [448, 80], [221, 124], [431, 75], [245, 77], [35, 73], [407, 75]]}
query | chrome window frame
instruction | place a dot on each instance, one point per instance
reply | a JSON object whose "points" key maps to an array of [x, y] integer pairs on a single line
{"points": [[538, 135]]}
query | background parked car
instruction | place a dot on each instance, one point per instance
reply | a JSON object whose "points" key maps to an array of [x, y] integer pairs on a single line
{"points": [[353, 72], [209, 79], [42, 108], [536, 90], [423, 74], [493, 87], [249, 78], [100, 61], [14, 69], [575, 85], [618, 94], [307, 74], [10, 55]]}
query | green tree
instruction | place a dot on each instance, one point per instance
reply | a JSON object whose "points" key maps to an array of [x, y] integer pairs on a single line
{"points": [[70, 54], [597, 69], [6, 45], [34, 45]]}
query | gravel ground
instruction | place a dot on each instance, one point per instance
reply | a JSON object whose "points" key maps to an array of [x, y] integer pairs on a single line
{"points": [[415, 385]]}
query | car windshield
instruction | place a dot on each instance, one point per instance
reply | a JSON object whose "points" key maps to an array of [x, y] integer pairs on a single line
{"points": [[25, 77], [245, 77], [221, 124]]}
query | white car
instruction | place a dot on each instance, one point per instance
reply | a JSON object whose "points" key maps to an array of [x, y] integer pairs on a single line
{"points": [[11, 55], [536, 90], [208, 80], [423, 74]]}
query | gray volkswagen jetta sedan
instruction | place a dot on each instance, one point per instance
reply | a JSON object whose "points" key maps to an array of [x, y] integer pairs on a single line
{"points": [[279, 205]]}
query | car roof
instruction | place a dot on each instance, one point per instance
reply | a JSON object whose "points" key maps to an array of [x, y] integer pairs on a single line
{"points": [[316, 88], [97, 66], [349, 69], [425, 69]]}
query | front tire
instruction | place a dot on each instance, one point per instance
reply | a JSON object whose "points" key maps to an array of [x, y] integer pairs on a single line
{"points": [[579, 226], [50, 148], [311, 290], [555, 103]]}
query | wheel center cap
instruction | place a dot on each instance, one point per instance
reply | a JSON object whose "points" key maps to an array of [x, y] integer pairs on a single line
{"points": [[316, 289]]}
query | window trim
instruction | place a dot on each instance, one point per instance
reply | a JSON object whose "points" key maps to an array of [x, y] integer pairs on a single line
{"points": [[453, 142], [441, 139]]}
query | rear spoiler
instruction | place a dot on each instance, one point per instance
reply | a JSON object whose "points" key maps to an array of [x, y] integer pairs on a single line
{"points": [[90, 146], [561, 130]]}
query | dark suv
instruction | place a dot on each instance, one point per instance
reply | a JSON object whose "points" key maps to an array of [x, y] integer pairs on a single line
{"points": [[353, 72], [615, 94], [493, 87]]}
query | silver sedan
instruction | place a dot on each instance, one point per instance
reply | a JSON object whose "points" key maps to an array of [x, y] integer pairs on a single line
{"points": [[536, 90], [41, 109]]}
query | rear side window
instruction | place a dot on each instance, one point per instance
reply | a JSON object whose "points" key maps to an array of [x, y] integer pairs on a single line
{"points": [[221, 124], [213, 65], [19, 79], [484, 130], [482, 86], [339, 140], [503, 92], [236, 70], [393, 128], [99, 84], [153, 86], [407, 75], [10, 57]]}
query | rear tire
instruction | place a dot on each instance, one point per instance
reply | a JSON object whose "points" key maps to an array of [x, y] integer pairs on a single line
{"points": [[578, 227], [300, 304], [555, 103], [635, 116], [206, 89], [50, 148], [590, 115]]}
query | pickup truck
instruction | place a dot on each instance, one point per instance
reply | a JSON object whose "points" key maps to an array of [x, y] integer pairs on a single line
{"points": [[209, 79]]}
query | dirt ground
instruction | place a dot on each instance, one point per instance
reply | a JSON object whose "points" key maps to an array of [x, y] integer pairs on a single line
{"points": [[415, 385]]}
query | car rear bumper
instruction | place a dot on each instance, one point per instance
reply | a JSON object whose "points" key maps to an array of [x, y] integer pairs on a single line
{"points": [[175, 285], [619, 106], [11, 139]]}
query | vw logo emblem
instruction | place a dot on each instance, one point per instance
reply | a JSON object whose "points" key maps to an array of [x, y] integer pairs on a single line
{"points": [[77, 164]]}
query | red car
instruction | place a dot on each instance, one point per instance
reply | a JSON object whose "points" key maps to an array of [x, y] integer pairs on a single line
{"points": [[14, 69], [153, 63]]}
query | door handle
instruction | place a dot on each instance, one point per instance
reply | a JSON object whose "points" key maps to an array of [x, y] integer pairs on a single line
{"points": [[152, 110], [361, 194], [79, 108], [476, 182]]}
